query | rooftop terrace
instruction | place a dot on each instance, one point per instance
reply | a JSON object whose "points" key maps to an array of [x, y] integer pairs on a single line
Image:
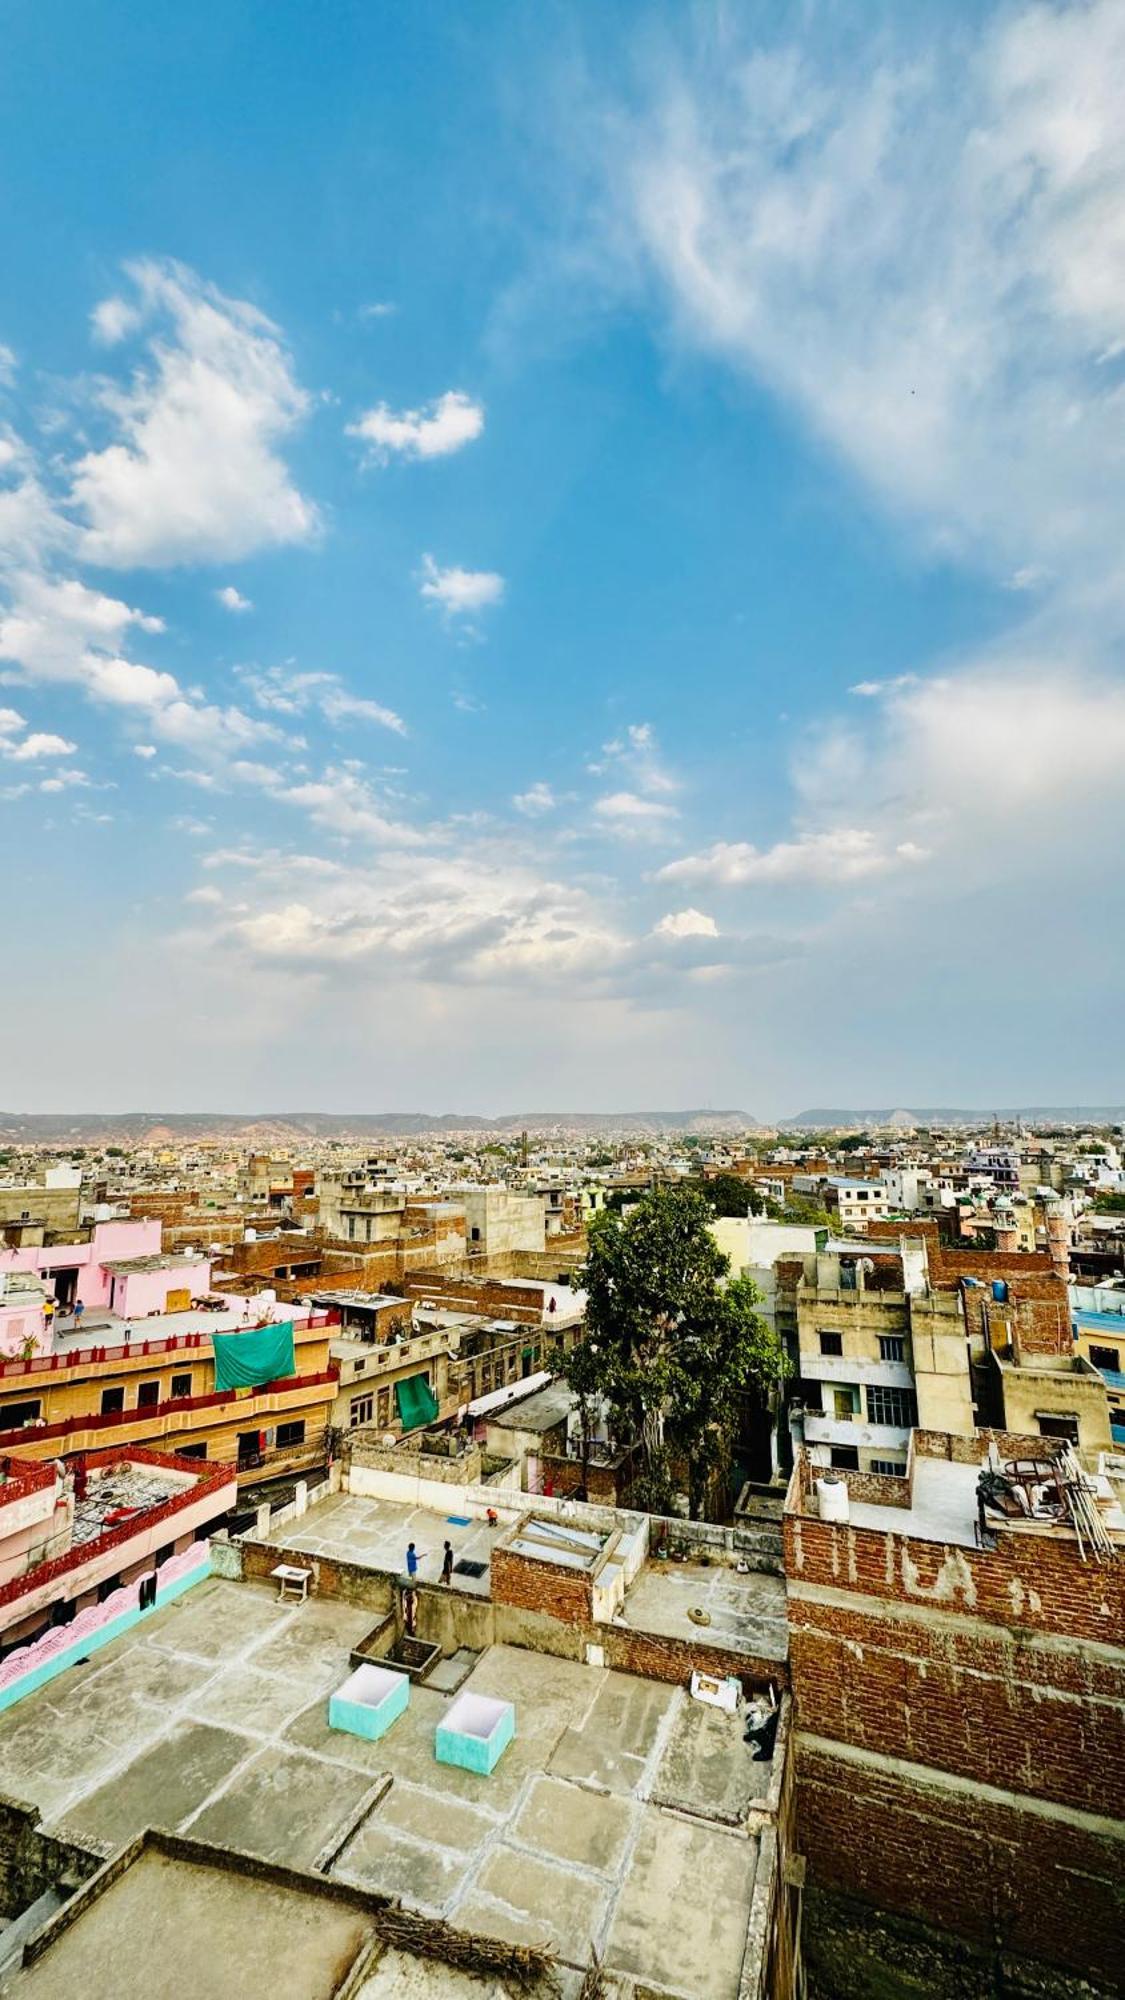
{"points": [[621, 1815]]}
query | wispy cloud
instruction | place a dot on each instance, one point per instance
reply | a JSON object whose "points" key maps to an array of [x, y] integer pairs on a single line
{"points": [[286, 691], [232, 599]]}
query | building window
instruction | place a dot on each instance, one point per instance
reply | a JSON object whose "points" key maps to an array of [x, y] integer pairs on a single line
{"points": [[384, 1408], [148, 1395], [831, 1343], [191, 1451], [1106, 1357], [474, 1235], [290, 1434], [891, 1406], [360, 1410], [892, 1347], [889, 1467], [181, 1387], [14, 1415], [112, 1399], [359, 1368], [1059, 1427], [845, 1458]]}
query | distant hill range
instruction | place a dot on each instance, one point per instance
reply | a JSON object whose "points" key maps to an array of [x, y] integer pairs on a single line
{"points": [[283, 1128], [1031, 1114]]}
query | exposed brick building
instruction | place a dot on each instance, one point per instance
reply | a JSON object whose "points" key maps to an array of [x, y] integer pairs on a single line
{"points": [[961, 1714]]}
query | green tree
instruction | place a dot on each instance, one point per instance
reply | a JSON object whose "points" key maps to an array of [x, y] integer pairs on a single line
{"points": [[669, 1347], [726, 1194]]}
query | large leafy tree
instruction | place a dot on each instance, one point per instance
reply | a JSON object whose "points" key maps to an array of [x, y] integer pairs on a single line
{"points": [[670, 1346]]}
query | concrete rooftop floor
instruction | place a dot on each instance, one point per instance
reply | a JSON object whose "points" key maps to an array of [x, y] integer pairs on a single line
{"points": [[376, 1533], [943, 1505], [211, 1718], [745, 1612]]}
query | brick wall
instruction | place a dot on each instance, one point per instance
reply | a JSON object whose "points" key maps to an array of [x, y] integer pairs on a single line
{"points": [[348, 1581], [1005, 1879], [660, 1658], [566, 1594], [523, 1303], [961, 1717]]}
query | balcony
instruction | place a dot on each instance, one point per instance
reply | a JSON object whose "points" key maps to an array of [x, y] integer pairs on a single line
{"points": [[822, 1429], [851, 1368]]}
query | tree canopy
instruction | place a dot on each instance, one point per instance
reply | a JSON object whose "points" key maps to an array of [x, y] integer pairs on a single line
{"points": [[672, 1343]]}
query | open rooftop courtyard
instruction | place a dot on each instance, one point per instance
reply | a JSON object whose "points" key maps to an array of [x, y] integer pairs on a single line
{"points": [[622, 1815]]}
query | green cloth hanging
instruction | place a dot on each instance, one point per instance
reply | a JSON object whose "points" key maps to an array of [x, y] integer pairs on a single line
{"points": [[415, 1402], [246, 1360]]}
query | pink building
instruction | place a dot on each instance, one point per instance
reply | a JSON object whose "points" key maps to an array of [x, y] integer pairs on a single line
{"points": [[119, 1269]]}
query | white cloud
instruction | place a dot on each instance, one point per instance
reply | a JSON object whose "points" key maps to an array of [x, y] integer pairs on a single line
{"points": [[686, 924], [207, 895], [232, 599], [538, 799], [113, 318], [444, 426], [470, 918], [194, 473], [460, 592], [378, 309], [41, 743], [145, 750], [63, 781], [7, 364], [843, 854], [633, 817]]}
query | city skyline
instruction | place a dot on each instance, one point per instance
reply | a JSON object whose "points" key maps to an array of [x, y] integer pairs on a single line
{"points": [[554, 560]]}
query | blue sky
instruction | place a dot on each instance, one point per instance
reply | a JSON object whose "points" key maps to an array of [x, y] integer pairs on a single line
{"points": [[560, 556]]}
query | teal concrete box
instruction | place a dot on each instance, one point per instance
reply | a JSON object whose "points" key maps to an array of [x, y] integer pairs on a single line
{"points": [[368, 1702], [476, 1732]]}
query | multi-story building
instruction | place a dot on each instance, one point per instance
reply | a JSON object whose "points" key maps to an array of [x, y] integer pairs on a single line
{"points": [[70, 1536], [114, 1377], [879, 1351], [958, 1674]]}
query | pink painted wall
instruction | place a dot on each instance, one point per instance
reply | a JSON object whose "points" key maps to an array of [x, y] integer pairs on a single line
{"points": [[18, 1325], [137, 1293], [109, 1240]]}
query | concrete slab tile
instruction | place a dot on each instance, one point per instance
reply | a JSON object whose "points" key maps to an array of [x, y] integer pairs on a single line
{"points": [[162, 1787], [572, 1824], [428, 1815], [427, 1878], [708, 1768], [566, 1908], [587, 1762], [284, 1807], [244, 1698], [681, 1917]]}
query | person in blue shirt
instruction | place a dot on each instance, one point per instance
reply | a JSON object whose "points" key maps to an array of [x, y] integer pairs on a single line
{"points": [[411, 1561]]}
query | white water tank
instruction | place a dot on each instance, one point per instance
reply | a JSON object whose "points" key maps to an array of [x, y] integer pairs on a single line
{"points": [[832, 1497]]}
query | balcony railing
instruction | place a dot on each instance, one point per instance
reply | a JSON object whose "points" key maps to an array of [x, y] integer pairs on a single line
{"points": [[173, 1343], [109, 1420]]}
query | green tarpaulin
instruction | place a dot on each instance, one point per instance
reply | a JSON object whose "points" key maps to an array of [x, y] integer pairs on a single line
{"points": [[265, 1354], [415, 1401]]}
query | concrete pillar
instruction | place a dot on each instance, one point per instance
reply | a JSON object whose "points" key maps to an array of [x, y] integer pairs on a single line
{"points": [[301, 1497], [262, 1521]]}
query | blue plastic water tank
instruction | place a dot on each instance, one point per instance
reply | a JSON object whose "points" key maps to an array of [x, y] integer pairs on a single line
{"points": [[1000, 1290]]}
